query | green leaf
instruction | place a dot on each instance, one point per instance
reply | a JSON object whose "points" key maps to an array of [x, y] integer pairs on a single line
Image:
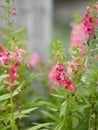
{"points": [[2, 77], [79, 107], [63, 108], [3, 18], [19, 31], [2, 87], [39, 126], [57, 96], [5, 8], [59, 126], [24, 113], [31, 77], [47, 104], [4, 97], [7, 96], [49, 115]]}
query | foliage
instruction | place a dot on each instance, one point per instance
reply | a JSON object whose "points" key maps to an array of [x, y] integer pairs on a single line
{"points": [[64, 95]]}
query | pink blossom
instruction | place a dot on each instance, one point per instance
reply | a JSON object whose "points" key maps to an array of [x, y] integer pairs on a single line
{"points": [[34, 60], [13, 11], [67, 81], [89, 23], [12, 77], [70, 87], [77, 36], [85, 67], [57, 74], [18, 55], [83, 51], [96, 6], [73, 64], [69, 70]]}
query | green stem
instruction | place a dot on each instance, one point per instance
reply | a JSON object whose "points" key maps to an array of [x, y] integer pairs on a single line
{"points": [[67, 120], [81, 65], [89, 123], [12, 111]]}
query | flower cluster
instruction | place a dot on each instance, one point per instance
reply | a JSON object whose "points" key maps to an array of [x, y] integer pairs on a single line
{"points": [[11, 60], [89, 23], [57, 76]]}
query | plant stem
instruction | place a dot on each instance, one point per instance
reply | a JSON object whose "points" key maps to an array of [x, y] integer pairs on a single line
{"points": [[12, 110], [78, 74], [67, 120], [89, 123]]}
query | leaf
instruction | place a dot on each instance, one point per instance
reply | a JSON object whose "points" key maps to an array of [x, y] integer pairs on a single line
{"points": [[4, 97], [49, 115], [2, 77], [19, 31], [7, 96], [58, 96], [18, 88], [63, 108], [31, 77], [59, 126], [3, 18], [5, 9], [24, 113], [39, 126], [79, 107], [1, 87]]}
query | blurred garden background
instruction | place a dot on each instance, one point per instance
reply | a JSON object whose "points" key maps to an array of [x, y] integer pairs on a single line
{"points": [[47, 21]]}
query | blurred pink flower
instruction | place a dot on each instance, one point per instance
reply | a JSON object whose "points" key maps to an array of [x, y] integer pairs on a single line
{"points": [[18, 56], [34, 60], [85, 67], [77, 36], [52, 75], [73, 64], [96, 6], [13, 11]]}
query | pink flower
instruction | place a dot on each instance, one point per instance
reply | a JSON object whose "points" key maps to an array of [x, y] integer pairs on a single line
{"points": [[34, 60], [13, 11], [89, 23], [77, 36], [67, 81], [57, 74], [12, 78], [85, 67], [83, 51], [70, 87], [96, 6], [73, 64], [52, 75], [13, 75], [69, 70], [18, 56]]}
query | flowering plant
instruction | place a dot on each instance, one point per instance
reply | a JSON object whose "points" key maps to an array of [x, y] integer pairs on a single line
{"points": [[13, 72], [71, 101]]}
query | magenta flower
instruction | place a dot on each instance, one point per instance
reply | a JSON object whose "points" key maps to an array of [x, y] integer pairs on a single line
{"points": [[70, 87], [89, 23]]}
